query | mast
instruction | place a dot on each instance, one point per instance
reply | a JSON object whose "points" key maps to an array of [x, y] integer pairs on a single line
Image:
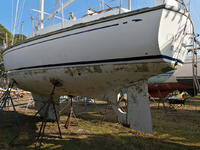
{"points": [[129, 4], [41, 14], [102, 4], [62, 12], [65, 4], [120, 6]]}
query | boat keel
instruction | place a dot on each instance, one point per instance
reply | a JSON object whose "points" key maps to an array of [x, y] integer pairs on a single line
{"points": [[138, 115]]}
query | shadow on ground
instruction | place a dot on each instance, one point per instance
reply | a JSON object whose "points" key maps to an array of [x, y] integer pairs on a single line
{"points": [[174, 130], [12, 124], [113, 142]]}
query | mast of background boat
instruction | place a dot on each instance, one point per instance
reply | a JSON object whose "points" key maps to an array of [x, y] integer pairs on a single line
{"points": [[41, 14]]}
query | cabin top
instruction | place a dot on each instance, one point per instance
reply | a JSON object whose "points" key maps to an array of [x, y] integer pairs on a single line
{"points": [[89, 16]]}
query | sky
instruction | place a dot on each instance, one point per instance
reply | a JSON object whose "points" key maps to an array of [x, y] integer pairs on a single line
{"points": [[79, 7]]}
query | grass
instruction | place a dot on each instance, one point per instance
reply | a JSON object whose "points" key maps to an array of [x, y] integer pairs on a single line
{"points": [[173, 129]]}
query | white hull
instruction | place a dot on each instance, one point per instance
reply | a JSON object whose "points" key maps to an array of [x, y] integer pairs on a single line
{"points": [[183, 73], [97, 57]]}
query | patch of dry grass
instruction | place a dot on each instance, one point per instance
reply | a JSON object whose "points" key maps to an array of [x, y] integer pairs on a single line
{"points": [[173, 129]]}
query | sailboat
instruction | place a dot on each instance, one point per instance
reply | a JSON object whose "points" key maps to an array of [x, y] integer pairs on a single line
{"points": [[180, 79], [102, 52]]}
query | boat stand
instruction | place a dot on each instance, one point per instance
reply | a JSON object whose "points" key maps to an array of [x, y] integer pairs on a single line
{"points": [[30, 102], [70, 114], [108, 106], [105, 113], [161, 99], [44, 121], [6, 100], [46, 106]]}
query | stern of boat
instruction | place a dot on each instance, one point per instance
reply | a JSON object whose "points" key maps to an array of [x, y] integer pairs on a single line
{"points": [[175, 34]]}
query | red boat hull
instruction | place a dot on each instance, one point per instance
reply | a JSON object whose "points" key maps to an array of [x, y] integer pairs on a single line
{"points": [[162, 90]]}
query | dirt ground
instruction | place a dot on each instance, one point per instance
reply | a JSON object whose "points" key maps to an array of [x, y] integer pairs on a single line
{"points": [[174, 129]]}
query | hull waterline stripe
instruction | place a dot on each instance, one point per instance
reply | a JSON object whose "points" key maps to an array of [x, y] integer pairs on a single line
{"points": [[117, 60], [103, 27]]}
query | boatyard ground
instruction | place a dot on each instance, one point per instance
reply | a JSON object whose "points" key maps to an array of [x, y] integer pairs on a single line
{"points": [[174, 129]]}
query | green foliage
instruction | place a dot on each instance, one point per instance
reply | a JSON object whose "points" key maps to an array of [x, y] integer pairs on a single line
{"points": [[19, 37], [3, 31]]}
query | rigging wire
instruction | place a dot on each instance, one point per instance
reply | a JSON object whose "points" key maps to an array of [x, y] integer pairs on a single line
{"points": [[12, 11], [17, 15], [189, 5], [54, 9], [19, 18], [98, 1], [15, 22], [20, 14], [135, 4], [22, 9]]}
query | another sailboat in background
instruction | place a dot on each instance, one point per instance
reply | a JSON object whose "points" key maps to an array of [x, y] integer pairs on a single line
{"points": [[180, 79], [102, 52]]}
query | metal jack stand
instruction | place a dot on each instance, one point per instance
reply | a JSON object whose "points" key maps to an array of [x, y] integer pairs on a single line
{"points": [[44, 121], [71, 113], [108, 106], [161, 99], [104, 114], [6, 99]]}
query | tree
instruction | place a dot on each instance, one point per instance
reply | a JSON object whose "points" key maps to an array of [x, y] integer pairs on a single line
{"points": [[3, 32]]}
